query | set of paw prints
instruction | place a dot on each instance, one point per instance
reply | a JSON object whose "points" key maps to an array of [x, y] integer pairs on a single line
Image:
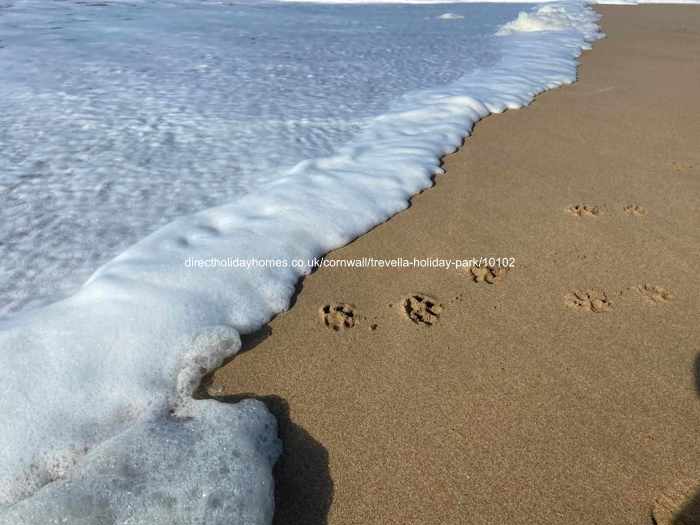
{"points": [[583, 210], [419, 308], [598, 301]]}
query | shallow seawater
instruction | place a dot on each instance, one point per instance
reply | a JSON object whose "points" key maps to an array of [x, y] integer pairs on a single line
{"points": [[118, 117]]}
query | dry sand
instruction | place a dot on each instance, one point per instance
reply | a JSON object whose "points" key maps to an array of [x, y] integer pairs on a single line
{"points": [[526, 401]]}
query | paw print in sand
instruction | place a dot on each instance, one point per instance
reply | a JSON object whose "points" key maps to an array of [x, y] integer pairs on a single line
{"points": [[681, 167], [581, 210], [422, 309], [339, 316], [488, 274], [595, 301], [635, 210], [653, 294]]}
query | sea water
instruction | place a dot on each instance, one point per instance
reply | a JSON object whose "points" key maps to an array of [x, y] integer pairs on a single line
{"points": [[118, 117], [146, 135]]}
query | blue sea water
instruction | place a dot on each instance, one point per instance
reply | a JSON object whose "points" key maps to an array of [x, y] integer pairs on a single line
{"points": [[118, 117]]}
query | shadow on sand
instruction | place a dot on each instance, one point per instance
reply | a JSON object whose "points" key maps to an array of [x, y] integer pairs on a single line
{"points": [[303, 485], [689, 513]]}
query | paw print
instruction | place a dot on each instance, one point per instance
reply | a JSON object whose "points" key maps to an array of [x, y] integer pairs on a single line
{"points": [[581, 210], [653, 294], [633, 209], [681, 167], [488, 274], [339, 316], [422, 309], [595, 301]]}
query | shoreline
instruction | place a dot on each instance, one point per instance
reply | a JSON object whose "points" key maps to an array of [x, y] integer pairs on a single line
{"points": [[161, 326], [554, 387]]}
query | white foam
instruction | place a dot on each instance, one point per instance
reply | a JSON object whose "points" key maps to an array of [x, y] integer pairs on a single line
{"points": [[546, 18], [90, 382], [450, 16], [226, 455]]}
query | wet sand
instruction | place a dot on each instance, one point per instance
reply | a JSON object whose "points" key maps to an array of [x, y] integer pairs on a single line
{"points": [[565, 390]]}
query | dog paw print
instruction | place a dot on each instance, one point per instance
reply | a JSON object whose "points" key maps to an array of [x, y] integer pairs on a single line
{"points": [[634, 210], [339, 316], [422, 309], [653, 294], [488, 274], [595, 301], [582, 210], [681, 167]]}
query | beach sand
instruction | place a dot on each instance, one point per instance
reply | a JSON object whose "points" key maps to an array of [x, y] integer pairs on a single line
{"points": [[566, 391]]}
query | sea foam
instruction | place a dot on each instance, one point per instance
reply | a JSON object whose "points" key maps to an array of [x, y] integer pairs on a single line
{"points": [[100, 425]]}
